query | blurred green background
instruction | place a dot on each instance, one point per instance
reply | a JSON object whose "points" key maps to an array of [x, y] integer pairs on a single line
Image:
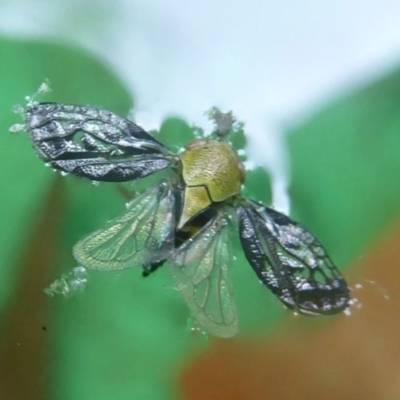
{"points": [[126, 337]]}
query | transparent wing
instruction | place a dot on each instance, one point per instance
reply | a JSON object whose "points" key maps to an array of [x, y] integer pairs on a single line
{"points": [[93, 143], [200, 268], [142, 236], [290, 261]]}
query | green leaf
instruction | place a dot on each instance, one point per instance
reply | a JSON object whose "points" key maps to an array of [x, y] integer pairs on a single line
{"points": [[76, 77], [125, 336], [124, 331], [175, 133], [346, 165]]}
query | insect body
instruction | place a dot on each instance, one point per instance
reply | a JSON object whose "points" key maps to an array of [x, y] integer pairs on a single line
{"points": [[212, 172], [186, 218]]}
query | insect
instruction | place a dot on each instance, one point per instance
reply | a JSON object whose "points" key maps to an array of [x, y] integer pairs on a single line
{"points": [[186, 218]]}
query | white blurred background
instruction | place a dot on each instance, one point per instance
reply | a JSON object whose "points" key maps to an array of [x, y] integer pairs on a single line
{"points": [[272, 63]]}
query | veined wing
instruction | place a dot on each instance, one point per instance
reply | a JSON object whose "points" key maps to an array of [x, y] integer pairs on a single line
{"points": [[290, 261], [200, 268], [143, 235], [93, 143]]}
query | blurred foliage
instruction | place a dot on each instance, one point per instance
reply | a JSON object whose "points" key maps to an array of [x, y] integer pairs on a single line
{"points": [[126, 337], [23, 67], [345, 169], [175, 133]]}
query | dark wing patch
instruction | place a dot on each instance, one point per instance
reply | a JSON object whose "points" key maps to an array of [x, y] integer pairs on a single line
{"points": [[93, 143], [145, 234], [201, 270], [290, 261]]}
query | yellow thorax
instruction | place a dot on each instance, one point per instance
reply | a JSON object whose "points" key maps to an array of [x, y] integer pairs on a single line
{"points": [[212, 172]]}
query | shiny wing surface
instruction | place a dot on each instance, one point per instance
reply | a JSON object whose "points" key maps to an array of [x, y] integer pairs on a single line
{"points": [[143, 235], [200, 268], [93, 143], [290, 261]]}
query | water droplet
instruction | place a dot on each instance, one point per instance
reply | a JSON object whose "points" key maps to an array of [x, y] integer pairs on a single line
{"points": [[353, 301], [77, 284], [18, 109], [68, 284], [17, 128], [44, 88], [259, 209], [347, 312], [80, 272]]}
